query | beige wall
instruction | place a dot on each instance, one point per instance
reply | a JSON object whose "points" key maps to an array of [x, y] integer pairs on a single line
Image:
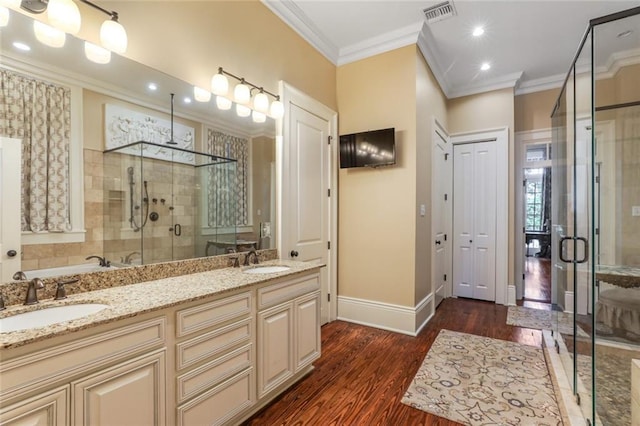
{"points": [[487, 111], [430, 104], [533, 110], [377, 206]]}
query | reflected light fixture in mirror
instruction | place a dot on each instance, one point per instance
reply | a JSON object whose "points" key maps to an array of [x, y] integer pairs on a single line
{"points": [[48, 35], [223, 103], [258, 117], [243, 111], [201, 95], [5, 5], [96, 53]]}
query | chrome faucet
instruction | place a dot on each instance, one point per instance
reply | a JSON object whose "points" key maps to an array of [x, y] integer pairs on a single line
{"points": [[32, 291], [248, 256], [127, 258], [103, 261]]}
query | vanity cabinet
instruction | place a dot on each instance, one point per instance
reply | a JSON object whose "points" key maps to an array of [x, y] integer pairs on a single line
{"points": [[43, 409], [288, 330]]}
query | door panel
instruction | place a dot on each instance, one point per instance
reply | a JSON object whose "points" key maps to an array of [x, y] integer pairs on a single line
{"points": [[10, 232]]}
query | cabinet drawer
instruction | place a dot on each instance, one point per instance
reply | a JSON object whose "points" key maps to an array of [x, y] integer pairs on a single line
{"points": [[212, 313], [284, 291], [221, 403], [212, 343], [214, 372], [62, 362]]}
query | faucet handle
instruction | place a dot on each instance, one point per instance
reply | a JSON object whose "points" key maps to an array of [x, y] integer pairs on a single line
{"points": [[20, 276], [61, 293], [2, 308]]}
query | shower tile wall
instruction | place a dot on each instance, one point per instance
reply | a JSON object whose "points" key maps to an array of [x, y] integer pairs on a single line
{"points": [[41, 256]]}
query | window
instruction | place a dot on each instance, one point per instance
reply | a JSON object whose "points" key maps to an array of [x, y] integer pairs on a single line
{"points": [[534, 193]]}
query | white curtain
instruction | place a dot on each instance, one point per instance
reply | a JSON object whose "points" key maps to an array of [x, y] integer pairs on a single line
{"points": [[228, 186], [39, 113]]}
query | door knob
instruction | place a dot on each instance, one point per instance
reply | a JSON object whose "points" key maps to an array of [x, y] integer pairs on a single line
{"points": [[12, 253], [294, 253]]}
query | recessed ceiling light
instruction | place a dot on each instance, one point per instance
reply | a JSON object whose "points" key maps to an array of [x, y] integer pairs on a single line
{"points": [[21, 46], [152, 86], [477, 31], [187, 100], [625, 34], [485, 66]]}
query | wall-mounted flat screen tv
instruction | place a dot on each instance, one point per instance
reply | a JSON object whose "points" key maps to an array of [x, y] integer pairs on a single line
{"points": [[368, 149]]}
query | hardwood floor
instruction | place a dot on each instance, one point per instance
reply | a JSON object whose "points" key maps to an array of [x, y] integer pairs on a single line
{"points": [[537, 279], [364, 372]]}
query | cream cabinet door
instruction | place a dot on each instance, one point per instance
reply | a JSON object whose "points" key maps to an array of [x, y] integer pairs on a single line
{"points": [[45, 409], [275, 347], [307, 324], [131, 393]]}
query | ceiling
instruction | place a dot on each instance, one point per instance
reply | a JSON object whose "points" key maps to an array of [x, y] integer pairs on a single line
{"points": [[530, 44]]}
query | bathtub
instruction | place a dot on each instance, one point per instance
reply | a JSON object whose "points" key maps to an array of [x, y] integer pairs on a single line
{"points": [[67, 270]]}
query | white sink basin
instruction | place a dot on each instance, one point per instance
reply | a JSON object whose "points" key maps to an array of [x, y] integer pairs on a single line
{"points": [[48, 316], [267, 269]]}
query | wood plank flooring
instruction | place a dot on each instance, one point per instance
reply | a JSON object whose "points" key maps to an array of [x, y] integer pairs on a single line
{"points": [[364, 372], [537, 279]]}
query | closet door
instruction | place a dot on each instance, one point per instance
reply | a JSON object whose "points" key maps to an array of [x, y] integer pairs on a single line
{"points": [[474, 218]]}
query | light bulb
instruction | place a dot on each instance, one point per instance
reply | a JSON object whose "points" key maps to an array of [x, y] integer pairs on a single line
{"points": [[113, 36], [220, 85], [241, 93], [64, 15], [12, 4], [261, 102], [201, 95], [485, 66], [4, 16], [277, 109], [258, 117], [50, 36], [96, 53], [223, 103], [242, 110]]}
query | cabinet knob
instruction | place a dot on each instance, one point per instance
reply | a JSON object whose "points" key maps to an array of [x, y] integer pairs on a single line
{"points": [[294, 253], [12, 253]]}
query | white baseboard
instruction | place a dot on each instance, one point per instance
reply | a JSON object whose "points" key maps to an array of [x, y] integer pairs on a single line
{"points": [[568, 301], [386, 316], [511, 295]]}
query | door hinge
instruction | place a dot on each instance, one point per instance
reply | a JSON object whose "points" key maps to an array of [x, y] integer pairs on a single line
{"points": [[328, 245], [524, 182], [597, 231], [524, 231], [446, 156], [597, 179], [445, 277], [578, 398], [328, 192], [329, 140], [523, 276], [445, 237], [328, 297], [445, 197]]}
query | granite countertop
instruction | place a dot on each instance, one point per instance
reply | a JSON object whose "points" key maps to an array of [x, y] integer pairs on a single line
{"points": [[135, 299], [621, 276]]}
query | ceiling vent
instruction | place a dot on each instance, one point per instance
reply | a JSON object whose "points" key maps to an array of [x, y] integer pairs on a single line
{"points": [[439, 12]]}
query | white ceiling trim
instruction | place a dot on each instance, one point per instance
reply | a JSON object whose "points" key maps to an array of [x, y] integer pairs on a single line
{"points": [[502, 82], [380, 44], [431, 57], [295, 18], [540, 84], [616, 61]]}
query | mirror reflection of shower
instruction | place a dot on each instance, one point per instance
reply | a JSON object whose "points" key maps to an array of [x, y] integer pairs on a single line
{"points": [[133, 207]]}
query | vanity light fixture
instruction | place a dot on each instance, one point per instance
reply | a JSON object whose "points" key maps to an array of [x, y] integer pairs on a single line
{"points": [[64, 15], [220, 86], [97, 54], [485, 66], [201, 95], [48, 35], [4, 16], [477, 31]]}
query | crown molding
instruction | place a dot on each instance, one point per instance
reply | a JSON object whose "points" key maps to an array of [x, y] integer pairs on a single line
{"points": [[616, 61], [508, 81], [540, 84], [295, 18], [426, 47], [382, 43]]}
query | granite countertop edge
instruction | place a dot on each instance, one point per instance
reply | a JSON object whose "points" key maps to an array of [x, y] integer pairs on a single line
{"points": [[141, 298]]}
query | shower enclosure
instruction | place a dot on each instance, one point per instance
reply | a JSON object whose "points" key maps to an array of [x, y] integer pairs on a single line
{"points": [[167, 203], [596, 219]]}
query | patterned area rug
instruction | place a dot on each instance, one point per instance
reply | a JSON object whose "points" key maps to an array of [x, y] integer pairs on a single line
{"points": [[477, 380], [542, 320]]}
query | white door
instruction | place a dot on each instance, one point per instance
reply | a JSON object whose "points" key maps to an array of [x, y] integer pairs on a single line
{"points": [[10, 249], [441, 206], [474, 218], [306, 208]]}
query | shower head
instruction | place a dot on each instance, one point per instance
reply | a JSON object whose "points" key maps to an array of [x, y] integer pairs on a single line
{"points": [[130, 173]]}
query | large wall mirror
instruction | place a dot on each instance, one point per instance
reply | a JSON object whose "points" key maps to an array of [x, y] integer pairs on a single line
{"points": [[125, 205]]}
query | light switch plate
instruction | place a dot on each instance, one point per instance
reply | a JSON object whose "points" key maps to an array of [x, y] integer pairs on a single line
{"points": [[423, 210], [635, 211]]}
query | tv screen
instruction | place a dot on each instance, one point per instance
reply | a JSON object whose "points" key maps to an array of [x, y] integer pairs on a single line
{"points": [[368, 149]]}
